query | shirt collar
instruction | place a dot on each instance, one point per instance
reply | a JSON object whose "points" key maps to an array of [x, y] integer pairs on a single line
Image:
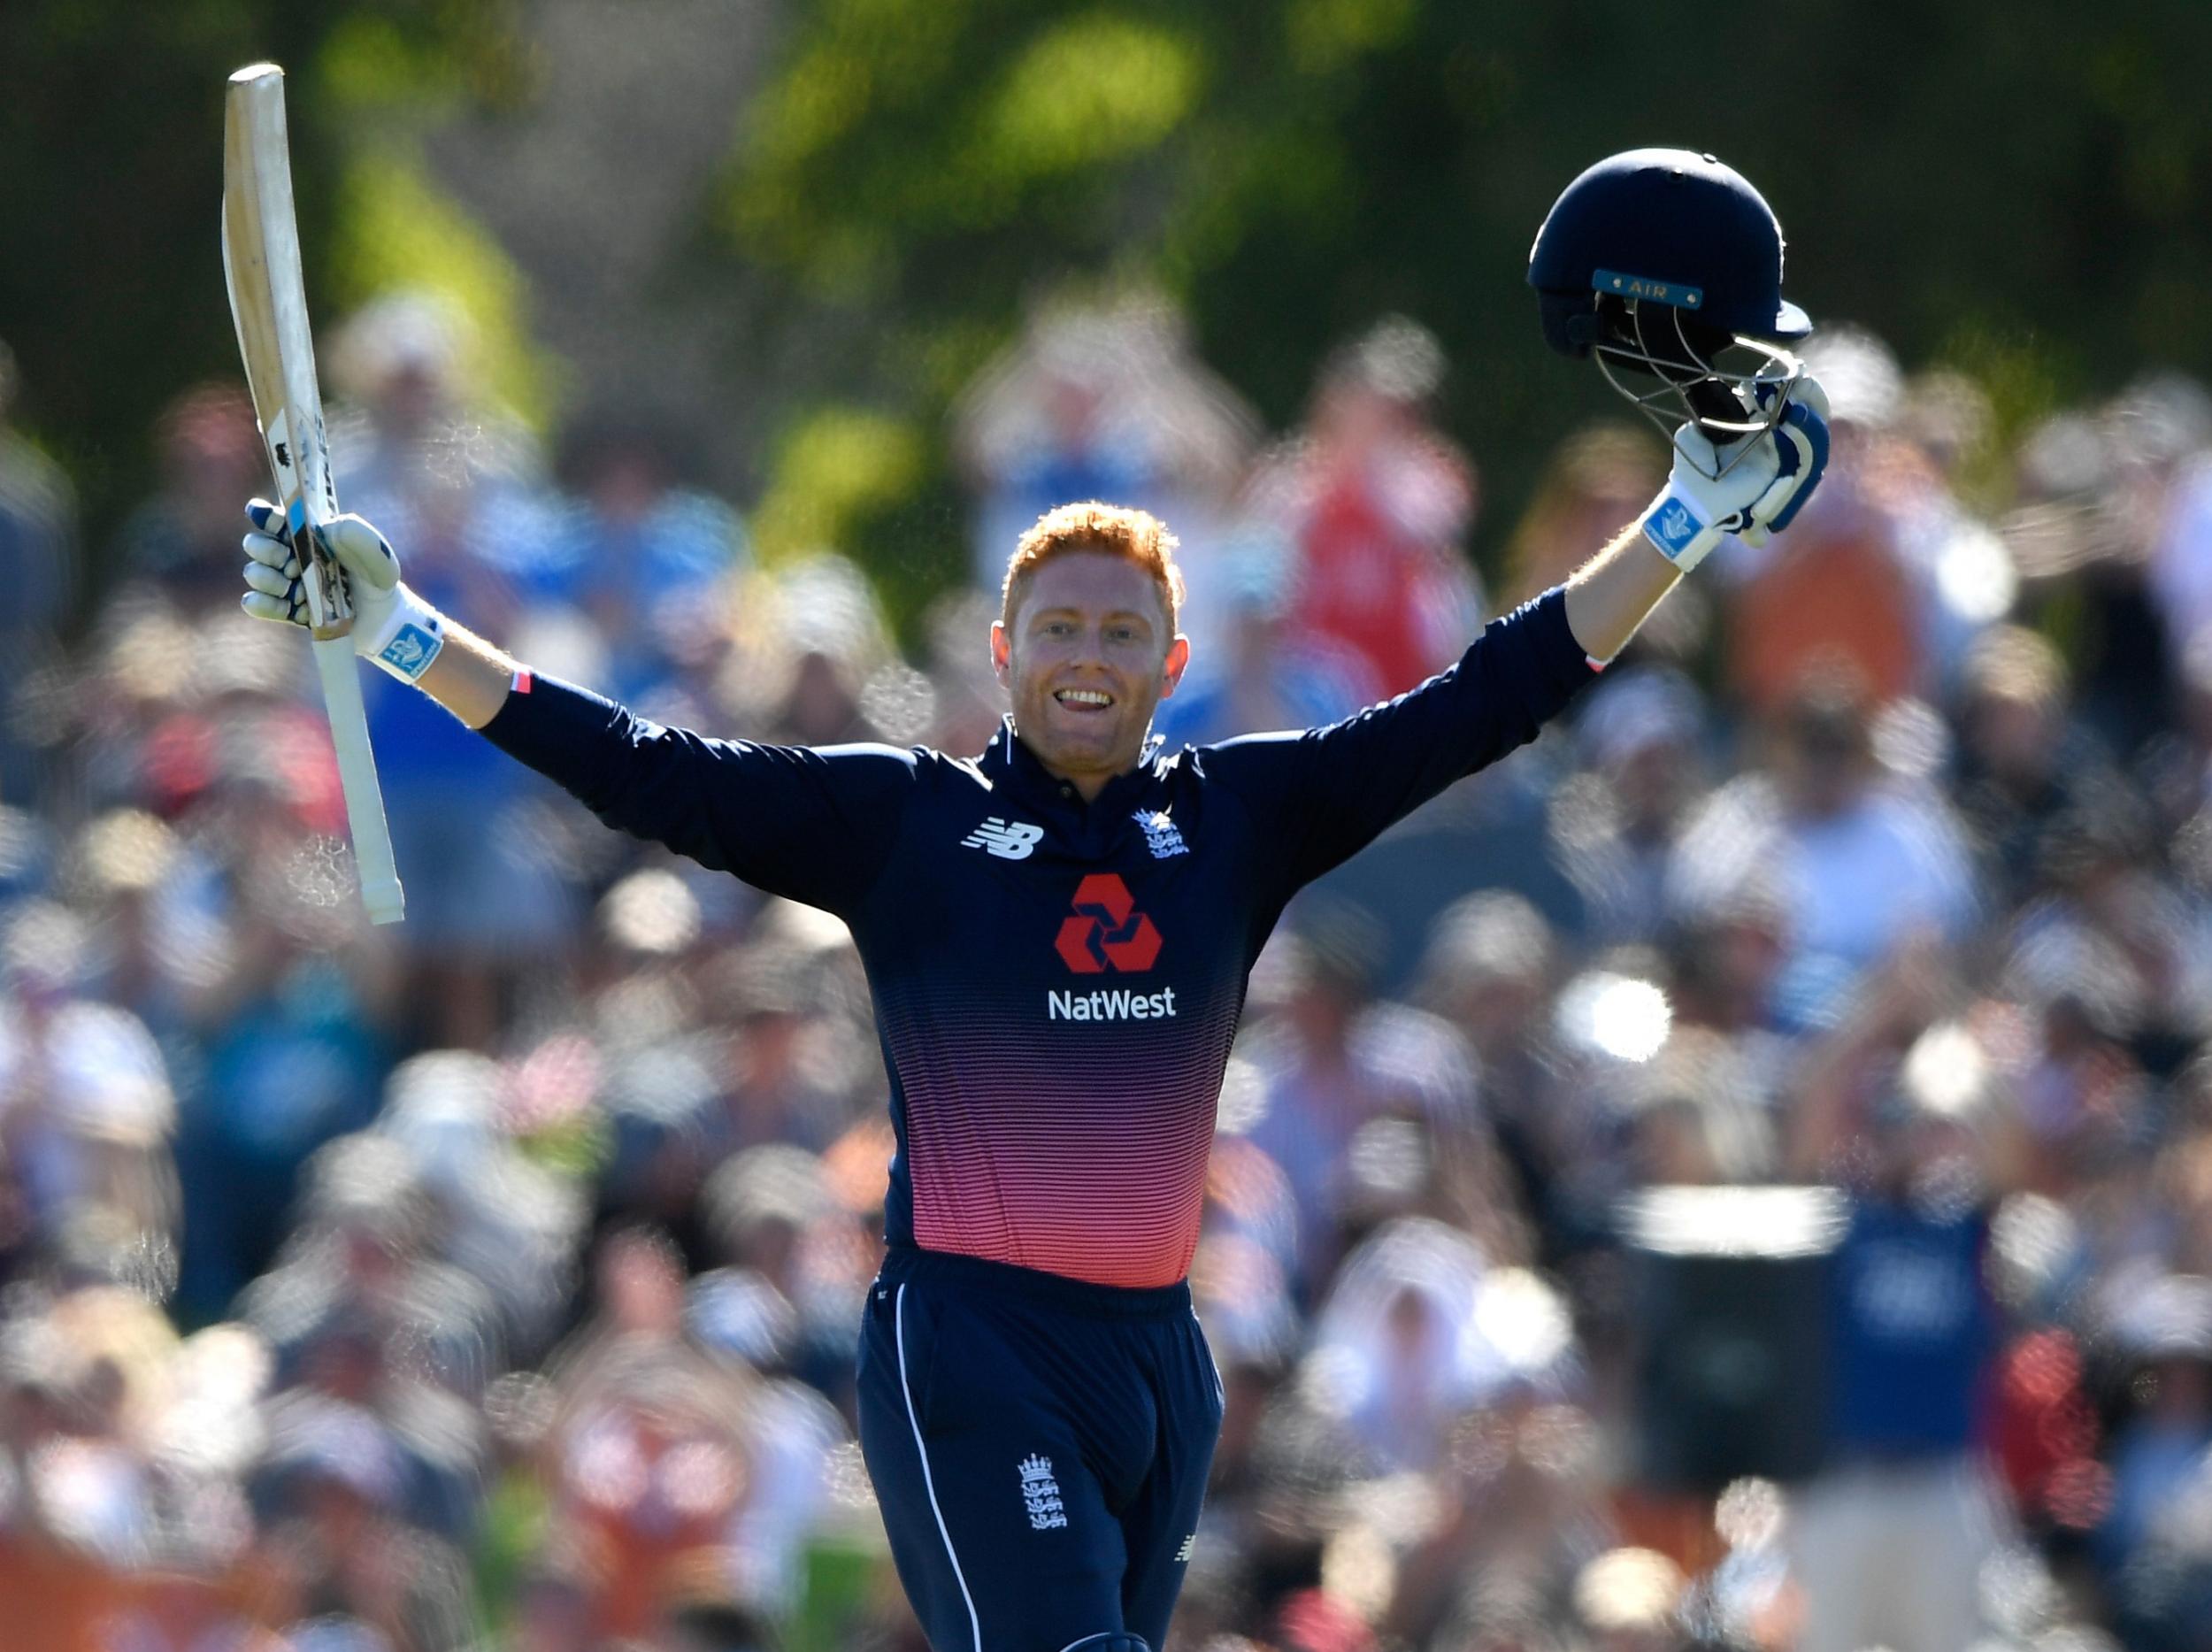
{"points": [[1009, 760]]}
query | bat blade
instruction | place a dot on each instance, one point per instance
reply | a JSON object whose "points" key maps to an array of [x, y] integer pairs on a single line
{"points": [[268, 298], [268, 305]]}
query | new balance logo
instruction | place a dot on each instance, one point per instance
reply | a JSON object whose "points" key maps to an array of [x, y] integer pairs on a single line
{"points": [[1190, 1545], [1107, 932], [1009, 839], [1040, 1494]]}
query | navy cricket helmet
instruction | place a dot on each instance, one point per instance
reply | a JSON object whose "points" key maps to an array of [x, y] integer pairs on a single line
{"points": [[1668, 264]]}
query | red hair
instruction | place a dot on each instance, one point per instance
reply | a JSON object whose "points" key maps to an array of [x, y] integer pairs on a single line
{"points": [[1135, 536]]}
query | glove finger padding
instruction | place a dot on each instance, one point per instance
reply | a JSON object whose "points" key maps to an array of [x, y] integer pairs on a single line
{"points": [[272, 574], [1802, 442], [1801, 439], [266, 519], [271, 581], [361, 552], [268, 551]]}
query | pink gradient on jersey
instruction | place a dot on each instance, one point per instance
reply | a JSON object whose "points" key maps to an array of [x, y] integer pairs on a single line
{"points": [[1070, 1149]]}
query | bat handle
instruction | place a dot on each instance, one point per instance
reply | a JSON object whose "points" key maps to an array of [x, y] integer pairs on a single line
{"points": [[326, 585], [356, 773]]}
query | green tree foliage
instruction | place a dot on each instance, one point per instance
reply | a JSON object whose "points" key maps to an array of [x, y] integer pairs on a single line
{"points": [[111, 182], [2021, 191], [2024, 190]]}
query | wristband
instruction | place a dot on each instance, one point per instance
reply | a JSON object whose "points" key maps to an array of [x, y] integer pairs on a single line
{"points": [[1671, 524], [409, 639]]}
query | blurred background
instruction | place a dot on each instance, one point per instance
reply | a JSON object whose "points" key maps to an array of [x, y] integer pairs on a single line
{"points": [[1738, 1174]]}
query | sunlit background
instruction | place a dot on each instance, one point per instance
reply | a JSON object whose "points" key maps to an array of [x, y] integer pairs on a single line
{"points": [[1737, 1175]]}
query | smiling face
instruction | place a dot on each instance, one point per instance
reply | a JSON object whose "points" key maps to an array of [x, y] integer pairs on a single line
{"points": [[1086, 656]]}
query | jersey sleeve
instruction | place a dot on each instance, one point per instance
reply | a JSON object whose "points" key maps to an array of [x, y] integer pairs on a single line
{"points": [[1319, 796], [815, 824]]}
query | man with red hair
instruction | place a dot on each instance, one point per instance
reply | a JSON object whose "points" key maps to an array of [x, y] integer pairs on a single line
{"points": [[1057, 933]]}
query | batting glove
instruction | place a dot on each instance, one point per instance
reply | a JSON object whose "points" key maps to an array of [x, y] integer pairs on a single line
{"points": [[392, 626], [1749, 486]]}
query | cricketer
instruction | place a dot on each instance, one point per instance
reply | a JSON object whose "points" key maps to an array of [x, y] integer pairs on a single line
{"points": [[1057, 931]]}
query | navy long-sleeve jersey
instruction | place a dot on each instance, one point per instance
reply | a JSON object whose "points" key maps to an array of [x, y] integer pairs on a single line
{"points": [[1056, 983]]}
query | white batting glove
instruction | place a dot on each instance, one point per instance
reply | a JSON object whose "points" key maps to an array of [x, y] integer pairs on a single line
{"points": [[392, 626], [1749, 486]]}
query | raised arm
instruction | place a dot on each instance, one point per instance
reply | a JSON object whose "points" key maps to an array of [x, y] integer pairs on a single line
{"points": [[816, 824], [1326, 793], [1319, 795], [1609, 596]]}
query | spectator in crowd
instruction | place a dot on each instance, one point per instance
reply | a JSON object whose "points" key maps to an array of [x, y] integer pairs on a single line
{"points": [[86, 1112], [2107, 940], [797, 1258], [38, 569], [648, 1454], [183, 538], [337, 1543], [1863, 861], [2085, 518], [1108, 401], [1613, 828], [1266, 671], [812, 658], [1333, 1061], [2021, 762], [966, 698], [1700, 1117], [647, 558], [1489, 969], [1835, 589], [1895, 1535], [292, 1052], [412, 444], [1422, 1329], [1376, 505], [2153, 1546], [1902, 442]]}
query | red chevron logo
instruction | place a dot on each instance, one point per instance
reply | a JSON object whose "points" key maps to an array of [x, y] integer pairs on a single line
{"points": [[1107, 932]]}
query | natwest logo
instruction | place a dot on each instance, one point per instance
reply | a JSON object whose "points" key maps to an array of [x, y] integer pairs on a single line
{"points": [[1107, 932]]}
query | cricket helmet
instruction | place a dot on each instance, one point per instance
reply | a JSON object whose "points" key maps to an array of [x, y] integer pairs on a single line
{"points": [[1667, 264]]}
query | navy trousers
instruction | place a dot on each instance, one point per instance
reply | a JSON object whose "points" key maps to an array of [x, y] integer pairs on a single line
{"points": [[1039, 1447]]}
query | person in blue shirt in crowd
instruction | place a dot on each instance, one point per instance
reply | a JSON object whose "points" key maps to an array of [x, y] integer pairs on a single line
{"points": [[1057, 933], [1891, 1538]]}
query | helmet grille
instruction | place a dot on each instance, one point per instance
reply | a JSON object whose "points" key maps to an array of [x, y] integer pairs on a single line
{"points": [[1730, 386]]}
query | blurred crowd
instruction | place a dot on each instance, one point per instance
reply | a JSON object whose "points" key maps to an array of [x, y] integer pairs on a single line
{"points": [[1737, 1174]]}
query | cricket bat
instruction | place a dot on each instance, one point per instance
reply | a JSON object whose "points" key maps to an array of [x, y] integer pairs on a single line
{"points": [[268, 301]]}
